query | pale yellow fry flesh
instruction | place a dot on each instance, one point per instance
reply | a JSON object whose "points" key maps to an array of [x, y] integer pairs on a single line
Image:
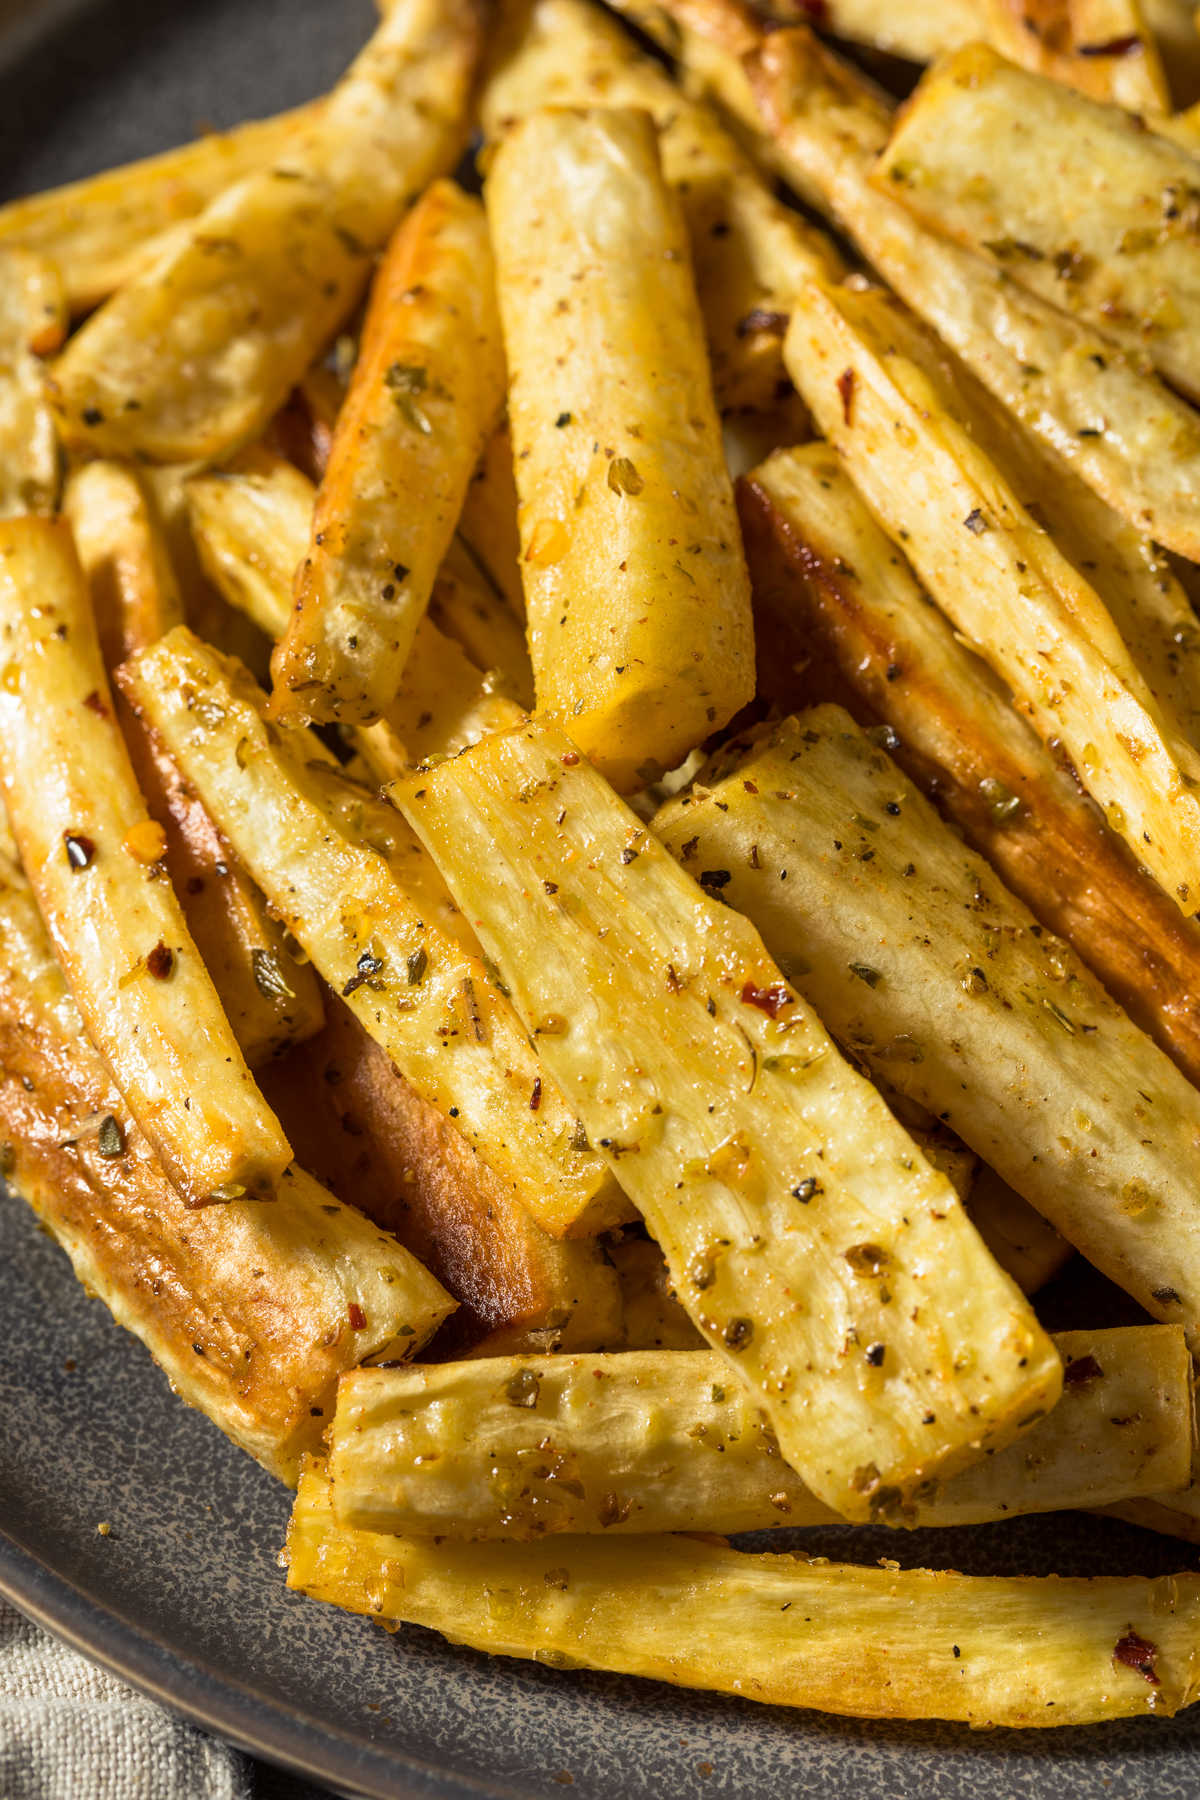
{"points": [[749, 251], [791, 1207], [248, 1308], [945, 983], [875, 1643], [91, 854], [426, 394], [819, 123], [1075, 200], [1000, 579], [106, 229], [514, 1447], [468, 608], [269, 999], [190, 359], [250, 523], [33, 322], [636, 591], [347, 878]]}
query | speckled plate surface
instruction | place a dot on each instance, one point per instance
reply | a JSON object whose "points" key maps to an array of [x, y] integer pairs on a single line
{"points": [[184, 1597]]}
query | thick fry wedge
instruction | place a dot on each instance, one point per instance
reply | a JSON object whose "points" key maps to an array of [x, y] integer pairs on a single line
{"points": [[929, 970], [191, 357], [638, 602], [366, 1133], [426, 394], [269, 999], [818, 122], [94, 859], [749, 252], [33, 322], [106, 229], [1073, 199], [989, 1650], [1103, 48], [349, 881], [1000, 578], [663, 1441], [252, 1309], [841, 616], [797, 1217]]}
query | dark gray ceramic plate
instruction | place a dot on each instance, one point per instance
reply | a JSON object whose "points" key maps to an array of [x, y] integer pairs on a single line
{"points": [[184, 1598]]}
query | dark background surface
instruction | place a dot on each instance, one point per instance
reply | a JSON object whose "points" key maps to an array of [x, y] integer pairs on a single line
{"points": [[185, 1597]]}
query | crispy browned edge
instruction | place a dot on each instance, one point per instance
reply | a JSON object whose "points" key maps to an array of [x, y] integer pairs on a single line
{"points": [[359, 1127], [1056, 853]]}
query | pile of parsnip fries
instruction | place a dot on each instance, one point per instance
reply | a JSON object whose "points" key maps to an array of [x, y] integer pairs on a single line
{"points": [[603, 792]]}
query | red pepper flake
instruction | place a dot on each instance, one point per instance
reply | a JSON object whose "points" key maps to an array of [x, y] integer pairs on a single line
{"points": [[358, 1318], [1082, 1370], [95, 704], [570, 758], [845, 387], [770, 1000], [160, 961], [1118, 46], [1137, 1653], [535, 1099], [81, 850]]}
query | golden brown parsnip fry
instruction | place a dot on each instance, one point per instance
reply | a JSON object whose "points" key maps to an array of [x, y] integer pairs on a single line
{"points": [[350, 882], [33, 322], [366, 1133], [466, 607], [106, 229], [635, 584], [841, 616], [252, 1309], [190, 359], [93, 857], [1103, 48], [664, 1441], [427, 392], [749, 252], [488, 523], [872, 1642], [1018, 1237], [790, 1205], [944, 982], [1075, 200], [442, 705], [817, 121], [1000, 578], [269, 999]]}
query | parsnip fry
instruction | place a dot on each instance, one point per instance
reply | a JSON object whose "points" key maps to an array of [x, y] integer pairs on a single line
{"points": [[1103, 48], [930, 970], [349, 881], [892, 1643], [488, 525], [1000, 578], [251, 525], [268, 998], [106, 229], [805, 1233], [652, 1318], [841, 616], [427, 392], [252, 1309], [818, 122], [466, 607], [365, 1132], [94, 859], [636, 589], [749, 251], [190, 358], [1073, 199], [663, 1441], [33, 322]]}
